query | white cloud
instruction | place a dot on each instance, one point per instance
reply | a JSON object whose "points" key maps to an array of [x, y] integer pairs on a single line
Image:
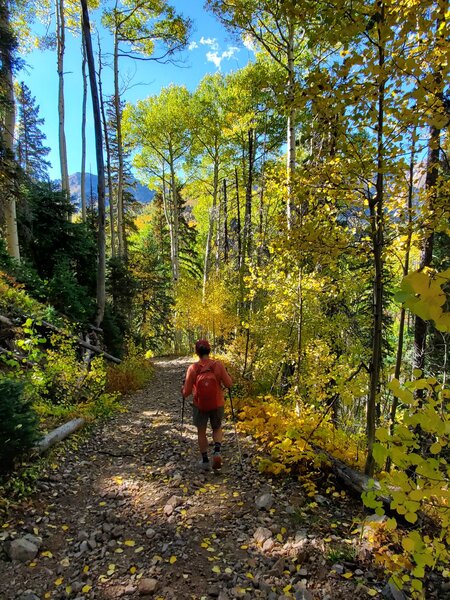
{"points": [[192, 46], [215, 58], [212, 42]]}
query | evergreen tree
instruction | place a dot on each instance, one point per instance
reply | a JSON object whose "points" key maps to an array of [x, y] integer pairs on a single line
{"points": [[30, 148]]}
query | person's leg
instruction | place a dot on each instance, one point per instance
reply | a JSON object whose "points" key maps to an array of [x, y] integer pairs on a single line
{"points": [[200, 420], [216, 424], [202, 439]]}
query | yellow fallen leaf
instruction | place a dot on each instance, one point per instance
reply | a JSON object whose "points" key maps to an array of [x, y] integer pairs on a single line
{"points": [[65, 562], [204, 545], [103, 579], [216, 569], [283, 530], [244, 547], [129, 543], [47, 554], [372, 592], [111, 567], [133, 570], [85, 589], [59, 581], [68, 589], [32, 564], [228, 570], [327, 540], [347, 575], [47, 595], [172, 559], [86, 569], [64, 527], [249, 575], [140, 549], [102, 503], [36, 530], [118, 550]]}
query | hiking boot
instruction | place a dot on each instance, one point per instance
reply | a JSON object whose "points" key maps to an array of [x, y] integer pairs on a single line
{"points": [[217, 461], [204, 466]]}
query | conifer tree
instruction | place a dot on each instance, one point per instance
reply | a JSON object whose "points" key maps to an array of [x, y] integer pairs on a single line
{"points": [[31, 151]]}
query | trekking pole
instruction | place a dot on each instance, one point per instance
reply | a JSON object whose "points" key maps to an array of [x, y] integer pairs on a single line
{"points": [[235, 429], [182, 419]]}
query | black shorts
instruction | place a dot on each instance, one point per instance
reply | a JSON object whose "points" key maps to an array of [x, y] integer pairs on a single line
{"points": [[200, 418]]}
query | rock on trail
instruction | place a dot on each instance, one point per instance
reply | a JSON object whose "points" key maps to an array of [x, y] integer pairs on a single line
{"points": [[128, 514]]}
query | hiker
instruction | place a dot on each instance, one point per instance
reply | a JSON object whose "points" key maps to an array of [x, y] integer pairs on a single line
{"points": [[204, 379]]}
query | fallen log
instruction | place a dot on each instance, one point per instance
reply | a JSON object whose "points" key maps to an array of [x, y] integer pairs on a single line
{"points": [[58, 434], [82, 343]]}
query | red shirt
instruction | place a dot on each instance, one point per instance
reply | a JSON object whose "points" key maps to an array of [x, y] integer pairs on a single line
{"points": [[220, 373]]}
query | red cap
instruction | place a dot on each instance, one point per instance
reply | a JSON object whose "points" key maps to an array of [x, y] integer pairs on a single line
{"points": [[202, 345]]}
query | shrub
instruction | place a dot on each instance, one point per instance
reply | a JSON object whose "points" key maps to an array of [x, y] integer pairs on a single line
{"points": [[18, 423], [132, 374]]}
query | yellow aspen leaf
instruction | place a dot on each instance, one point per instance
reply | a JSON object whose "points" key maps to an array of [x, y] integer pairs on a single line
{"points": [[283, 530], [68, 589], [411, 517], [216, 569], [140, 549], [204, 545], [172, 559], [435, 448], [36, 530], [65, 562], [129, 543], [279, 537], [47, 554], [249, 576], [133, 570], [328, 539], [228, 570], [118, 550], [347, 575], [372, 592], [47, 595], [86, 569], [64, 527], [287, 588], [59, 581], [86, 588], [103, 579], [32, 564], [244, 547]]}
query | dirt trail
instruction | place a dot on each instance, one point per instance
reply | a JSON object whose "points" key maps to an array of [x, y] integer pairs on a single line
{"points": [[128, 511]]}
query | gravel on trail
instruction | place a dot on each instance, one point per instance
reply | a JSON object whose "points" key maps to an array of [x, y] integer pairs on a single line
{"points": [[128, 514]]}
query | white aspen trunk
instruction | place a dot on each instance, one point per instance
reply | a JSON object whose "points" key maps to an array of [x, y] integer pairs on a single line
{"points": [[212, 216], [108, 155], [83, 134], [169, 219], [176, 227], [7, 130], [291, 150], [117, 108], [61, 43]]}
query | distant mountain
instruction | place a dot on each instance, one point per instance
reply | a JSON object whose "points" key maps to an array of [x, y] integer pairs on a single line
{"points": [[140, 192]]}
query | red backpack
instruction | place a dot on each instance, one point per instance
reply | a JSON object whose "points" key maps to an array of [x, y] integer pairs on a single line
{"points": [[207, 388]]}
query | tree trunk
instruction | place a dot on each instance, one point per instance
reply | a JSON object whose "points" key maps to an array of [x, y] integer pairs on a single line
{"points": [[247, 243], [401, 331], [377, 225], [175, 220], [238, 210], [7, 131], [426, 255], [225, 223], [61, 46], [83, 133], [212, 218], [100, 165], [108, 155], [291, 150], [118, 115]]}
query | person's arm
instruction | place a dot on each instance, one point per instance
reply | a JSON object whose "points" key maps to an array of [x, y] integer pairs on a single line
{"points": [[189, 382], [224, 376]]}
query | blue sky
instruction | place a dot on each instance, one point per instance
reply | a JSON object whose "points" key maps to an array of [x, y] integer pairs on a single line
{"points": [[211, 48]]}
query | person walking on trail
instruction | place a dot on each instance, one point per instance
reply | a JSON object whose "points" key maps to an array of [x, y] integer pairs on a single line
{"points": [[204, 380]]}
